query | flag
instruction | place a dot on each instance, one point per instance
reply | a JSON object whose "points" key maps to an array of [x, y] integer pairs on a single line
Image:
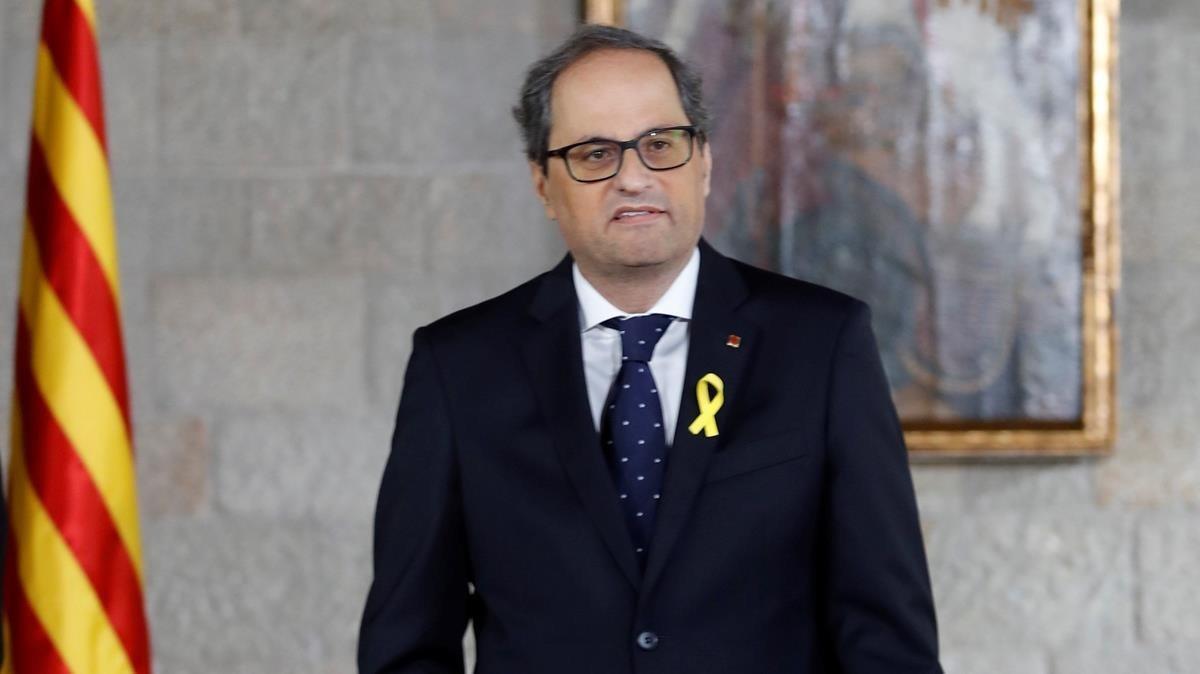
{"points": [[72, 569]]}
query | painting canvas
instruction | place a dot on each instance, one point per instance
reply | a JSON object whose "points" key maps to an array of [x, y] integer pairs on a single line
{"points": [[937, 159]]}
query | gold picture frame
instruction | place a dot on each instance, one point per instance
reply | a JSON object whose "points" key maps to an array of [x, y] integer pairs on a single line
{"points": [[1093, 432]]}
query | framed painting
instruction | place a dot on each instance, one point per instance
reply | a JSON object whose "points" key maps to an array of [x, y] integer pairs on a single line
{"points": [[951, 162]]}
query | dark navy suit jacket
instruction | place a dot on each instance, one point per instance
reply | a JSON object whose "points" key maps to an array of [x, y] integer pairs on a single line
{"points": [[787, 544]]}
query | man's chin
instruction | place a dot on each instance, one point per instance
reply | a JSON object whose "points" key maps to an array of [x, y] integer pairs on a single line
{"points": [[640, 258], [646, 262], [651, 262]]}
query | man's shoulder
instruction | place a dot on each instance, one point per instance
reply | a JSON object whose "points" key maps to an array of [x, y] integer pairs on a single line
{"points": [[771, 296], [788, 297], [489, 317]]}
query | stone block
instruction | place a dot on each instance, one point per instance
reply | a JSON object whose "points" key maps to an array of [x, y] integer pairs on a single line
{"points": [[296, 115], [939, 488], [1159, 141], [243, 597], [1143, 473], [135, 201], [1155, 461], [21, 19], [1158, 227], [1158, 87], [174, 460], [12, 208], [293, 17], [1102, 659], [521, 19], [1180, 12], [8, 328], [1025, 659], [1159, 334], [469, 286], [17, 58], [136, 214], [252, 343], [242, 103], [12, 219], [303, 467], [947, 490], [491, 67], [1061, 579], [471, 18], [199, 226], [7, 160], [1029, 487], [1168, 545], [128, 19], [204, 87], [343, 222], [438, 103], [131, 104], [1185, 657], [397, 215], [558, 20], [195, 18], [300, 223], [490, 235], [395, 115], [397, 306], [412, 16]]}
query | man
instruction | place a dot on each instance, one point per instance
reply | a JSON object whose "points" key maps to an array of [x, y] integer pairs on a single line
{"points": [[652, 458]]}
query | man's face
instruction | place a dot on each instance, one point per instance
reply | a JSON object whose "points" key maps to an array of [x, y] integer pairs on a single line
{"points": [[619, 95]]}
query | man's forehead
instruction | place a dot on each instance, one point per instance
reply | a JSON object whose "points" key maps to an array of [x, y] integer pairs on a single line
{"points": [[614, 91]]}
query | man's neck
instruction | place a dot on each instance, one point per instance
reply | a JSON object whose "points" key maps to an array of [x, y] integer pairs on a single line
{"points": [[634, 290]]}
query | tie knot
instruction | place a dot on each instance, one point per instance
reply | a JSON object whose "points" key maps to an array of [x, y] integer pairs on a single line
{"points": [[639, 334]]}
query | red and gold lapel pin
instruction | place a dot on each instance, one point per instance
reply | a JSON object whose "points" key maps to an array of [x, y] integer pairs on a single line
{"points": [[733, 341]]}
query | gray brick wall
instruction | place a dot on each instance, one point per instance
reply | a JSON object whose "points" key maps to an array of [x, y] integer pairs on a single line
{"points": [[292, 204]]}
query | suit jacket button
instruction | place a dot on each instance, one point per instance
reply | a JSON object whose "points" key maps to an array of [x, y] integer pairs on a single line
{"points": [[647, 641]]}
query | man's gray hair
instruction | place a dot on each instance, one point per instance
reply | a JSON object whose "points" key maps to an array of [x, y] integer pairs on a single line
{"points": [[532, 112]]}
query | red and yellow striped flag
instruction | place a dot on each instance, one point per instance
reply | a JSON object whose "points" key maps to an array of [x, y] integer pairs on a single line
{"points": [[73, 576]]}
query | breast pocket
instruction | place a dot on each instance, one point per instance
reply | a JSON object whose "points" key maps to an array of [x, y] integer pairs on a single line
{"points": [[758, 454]]}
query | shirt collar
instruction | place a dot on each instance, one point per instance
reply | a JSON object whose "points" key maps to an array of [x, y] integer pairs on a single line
{"points": [[594, 309]]}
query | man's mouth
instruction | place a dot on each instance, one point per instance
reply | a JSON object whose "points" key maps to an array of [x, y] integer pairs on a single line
{"points": [[635, 213]]}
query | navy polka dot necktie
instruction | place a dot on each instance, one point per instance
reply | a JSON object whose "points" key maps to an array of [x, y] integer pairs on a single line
{"points": [[635, 442]]}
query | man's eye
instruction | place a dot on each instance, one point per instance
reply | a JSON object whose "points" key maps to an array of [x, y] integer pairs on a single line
{"points": [[595, 154], [659, 145]]}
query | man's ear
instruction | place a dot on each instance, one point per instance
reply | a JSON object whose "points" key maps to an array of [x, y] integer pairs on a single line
{"points": [[706, 152], [540, 186]]}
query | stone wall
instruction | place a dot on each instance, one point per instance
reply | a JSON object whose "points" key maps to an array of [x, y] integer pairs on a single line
{"points": [[299, 184]]}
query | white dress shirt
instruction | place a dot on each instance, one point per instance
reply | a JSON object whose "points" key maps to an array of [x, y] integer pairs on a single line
{"points": [[602, 345]]}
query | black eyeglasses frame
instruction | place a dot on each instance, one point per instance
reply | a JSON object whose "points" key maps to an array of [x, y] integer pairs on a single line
{"points": [[692, 131]]}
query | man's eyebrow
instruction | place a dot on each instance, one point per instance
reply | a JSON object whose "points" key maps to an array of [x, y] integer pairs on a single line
{"points": [[593, 138], [586, 139]]}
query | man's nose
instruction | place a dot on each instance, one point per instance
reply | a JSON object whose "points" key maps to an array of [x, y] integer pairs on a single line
{"points": [[633, 176]]}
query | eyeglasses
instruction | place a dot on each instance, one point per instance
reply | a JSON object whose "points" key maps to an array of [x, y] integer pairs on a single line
{"points": [[600, 159]]}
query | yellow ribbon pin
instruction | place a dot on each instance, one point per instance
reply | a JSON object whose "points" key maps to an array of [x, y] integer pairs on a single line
{"points": [[708, 404]]}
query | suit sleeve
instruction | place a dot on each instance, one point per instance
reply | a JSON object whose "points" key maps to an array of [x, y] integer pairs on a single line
{"points": [[417, 607], [880, 607]]}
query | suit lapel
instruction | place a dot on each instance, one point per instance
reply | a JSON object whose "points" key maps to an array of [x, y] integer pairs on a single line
{"points": [[719, 290], [553, 356]]}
